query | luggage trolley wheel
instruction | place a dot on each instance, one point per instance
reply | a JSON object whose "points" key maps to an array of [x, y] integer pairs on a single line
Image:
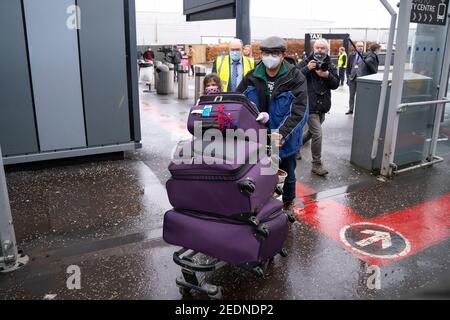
{"points": [[259, 272], [284, 253], [185, 292], [291, 218], [218, 295]]}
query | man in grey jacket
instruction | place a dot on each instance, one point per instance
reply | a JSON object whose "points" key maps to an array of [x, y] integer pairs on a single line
{"points": [[355, 60]]}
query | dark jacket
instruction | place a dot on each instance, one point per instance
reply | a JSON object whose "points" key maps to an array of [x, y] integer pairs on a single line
{"points": [[149, 55], [177, 57], [351, 61], [287, 106], [319, 89], [370, 65]]}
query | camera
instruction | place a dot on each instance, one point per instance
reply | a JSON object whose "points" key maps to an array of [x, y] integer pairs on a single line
{"points": [[322, 66]]}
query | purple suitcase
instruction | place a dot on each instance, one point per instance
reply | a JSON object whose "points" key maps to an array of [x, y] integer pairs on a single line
{"points": [[232, 241], [239, 111], [227, 189]]}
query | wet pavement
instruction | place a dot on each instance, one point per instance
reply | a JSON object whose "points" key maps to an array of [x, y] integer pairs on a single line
{"points": [[104, 214]]}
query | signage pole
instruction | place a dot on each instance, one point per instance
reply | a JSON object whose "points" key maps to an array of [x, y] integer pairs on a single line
{"points": [[243, 30], [10, 260]]}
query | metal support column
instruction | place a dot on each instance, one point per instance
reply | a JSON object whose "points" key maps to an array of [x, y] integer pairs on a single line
{"points": [[397, 86], [200, 73], [442, 93], [243, 31], [9, 257], [384, 86]]}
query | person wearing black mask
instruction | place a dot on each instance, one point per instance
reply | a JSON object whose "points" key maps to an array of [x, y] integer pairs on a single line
{"points": [[322, 77]]}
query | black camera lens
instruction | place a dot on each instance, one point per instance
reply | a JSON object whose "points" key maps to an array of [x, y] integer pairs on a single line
{"points": [[322, 66]]}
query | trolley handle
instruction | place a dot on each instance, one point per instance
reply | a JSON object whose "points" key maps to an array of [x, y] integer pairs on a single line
{"points": [[193, 266]]}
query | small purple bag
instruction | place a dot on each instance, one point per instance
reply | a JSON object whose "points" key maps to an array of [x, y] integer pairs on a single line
{"points": [[232, 241], [225, 111]]}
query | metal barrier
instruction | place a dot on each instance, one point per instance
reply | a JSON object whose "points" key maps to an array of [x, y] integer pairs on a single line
{"points": [[156, 65], [165, 80], [183, 82], [171, 83], [433, 159]]}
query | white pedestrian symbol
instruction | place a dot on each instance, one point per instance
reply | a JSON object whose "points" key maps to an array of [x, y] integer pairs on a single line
{"points": [[362, 237], [376, 236]]}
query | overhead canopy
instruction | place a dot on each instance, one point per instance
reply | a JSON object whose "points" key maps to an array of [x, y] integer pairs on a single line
{"points": [[201, 10]]}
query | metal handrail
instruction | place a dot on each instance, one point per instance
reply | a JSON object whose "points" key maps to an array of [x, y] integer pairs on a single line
{"points": [[402, 107]]}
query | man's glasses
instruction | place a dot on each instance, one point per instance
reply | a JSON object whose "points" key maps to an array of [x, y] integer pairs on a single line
{"points": [[274, 53]]}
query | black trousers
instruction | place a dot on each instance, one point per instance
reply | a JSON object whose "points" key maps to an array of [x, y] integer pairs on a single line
{"points": [[342, 75]]}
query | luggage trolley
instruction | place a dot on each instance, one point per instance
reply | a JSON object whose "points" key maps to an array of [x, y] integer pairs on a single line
{"points": [[193, 276], [191, 280], [263, 218]]}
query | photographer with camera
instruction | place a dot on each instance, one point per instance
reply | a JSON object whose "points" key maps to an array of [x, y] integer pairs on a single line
{"points": [[322, 77]]}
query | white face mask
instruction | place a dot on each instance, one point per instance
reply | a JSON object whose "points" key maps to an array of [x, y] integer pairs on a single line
{"points": [[271, 62]]}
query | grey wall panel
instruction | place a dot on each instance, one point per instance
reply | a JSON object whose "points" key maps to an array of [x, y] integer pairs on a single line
{"points": [[17, 123], [55, 72], [104, 71]]}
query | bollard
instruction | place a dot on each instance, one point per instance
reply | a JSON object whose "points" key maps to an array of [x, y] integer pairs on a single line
{"points": [[164, 80], [10, 259], [183, 82], [156, 65], [146, 74], [200, 73], [171, 83]]}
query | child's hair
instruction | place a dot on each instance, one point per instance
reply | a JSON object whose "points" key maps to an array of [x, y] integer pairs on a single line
{"points": [[212, 77], [374, 47]]}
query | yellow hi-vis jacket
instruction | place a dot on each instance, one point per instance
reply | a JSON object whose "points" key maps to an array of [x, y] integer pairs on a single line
{"points": [[341, 64], [223, 69]]}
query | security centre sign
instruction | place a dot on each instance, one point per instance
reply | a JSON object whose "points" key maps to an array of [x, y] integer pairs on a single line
{"points": [[429, 12]]}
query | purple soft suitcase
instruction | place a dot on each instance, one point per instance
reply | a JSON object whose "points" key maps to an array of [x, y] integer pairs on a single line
{"points": [[229, 240], [238, 113], [227, 189]]}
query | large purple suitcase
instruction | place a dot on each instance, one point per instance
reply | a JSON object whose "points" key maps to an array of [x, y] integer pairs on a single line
{"points": [[233, 241], [240, 185], [239, 112]]}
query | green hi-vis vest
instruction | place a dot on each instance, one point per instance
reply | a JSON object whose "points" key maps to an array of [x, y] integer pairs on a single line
{"points": [[341, 61], [223, 69]]}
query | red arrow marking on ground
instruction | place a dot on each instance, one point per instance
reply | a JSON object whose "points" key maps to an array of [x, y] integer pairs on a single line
{"points": [[424, 225]]}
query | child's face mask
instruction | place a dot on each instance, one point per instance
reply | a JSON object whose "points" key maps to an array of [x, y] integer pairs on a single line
{"points": [[212, 90]]}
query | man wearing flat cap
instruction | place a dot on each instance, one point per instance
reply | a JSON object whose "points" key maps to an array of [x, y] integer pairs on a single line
{"points": [[279, 90]]}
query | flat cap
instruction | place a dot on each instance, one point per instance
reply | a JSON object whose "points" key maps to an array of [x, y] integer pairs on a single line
{"points": [[274, 43]]}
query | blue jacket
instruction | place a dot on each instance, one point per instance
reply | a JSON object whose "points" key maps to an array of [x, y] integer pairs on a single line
{"points": [[287, 106]]}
